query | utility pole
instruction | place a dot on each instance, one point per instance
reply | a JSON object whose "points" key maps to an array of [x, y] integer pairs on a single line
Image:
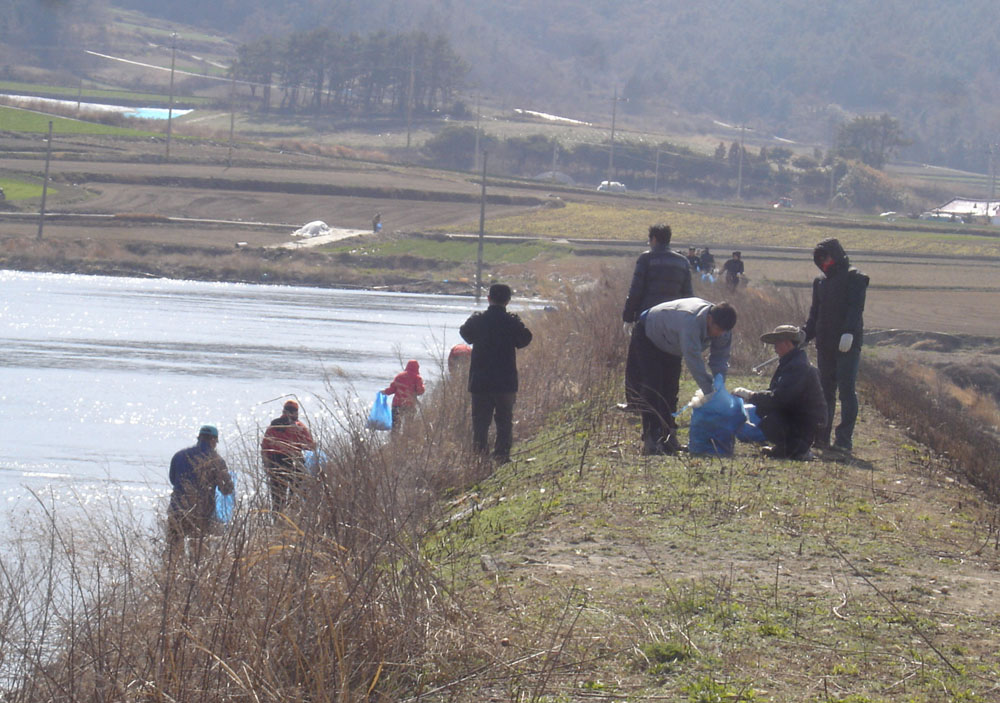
{"points": [[170, 105], [993, 174], [232, 117], [45, 182], [611, 153], [833, 172], [656, 176], [409, 97], [482, 235], [739, 168], [475, 148]]}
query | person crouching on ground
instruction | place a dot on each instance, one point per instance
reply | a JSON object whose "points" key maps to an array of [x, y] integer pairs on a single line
{"points": [[405, 388], [792, 409], [665, 335], [495, 336], [195, 473], [284, 441]]}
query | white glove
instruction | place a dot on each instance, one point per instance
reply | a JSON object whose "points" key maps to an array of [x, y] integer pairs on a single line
{"points": [[846, 341], [743, 393], [700, 398], [627, 328]]}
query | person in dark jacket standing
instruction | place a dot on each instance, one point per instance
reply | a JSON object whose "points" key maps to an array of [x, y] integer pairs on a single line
{"points": [[195, 473], [495, 336], [660, 275], [706, 261], [836, 323], [792, 409], [694, 261], [733, 268], [281, 448]]}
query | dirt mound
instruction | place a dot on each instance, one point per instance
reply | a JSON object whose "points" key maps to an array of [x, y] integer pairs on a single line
{"points": [[982, 375]]}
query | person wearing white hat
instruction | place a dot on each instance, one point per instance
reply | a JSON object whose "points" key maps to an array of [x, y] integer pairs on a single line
{"points": [[792, 409]]}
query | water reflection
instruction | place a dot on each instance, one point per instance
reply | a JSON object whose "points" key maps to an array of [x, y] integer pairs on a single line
{"points": [[102, 379]]}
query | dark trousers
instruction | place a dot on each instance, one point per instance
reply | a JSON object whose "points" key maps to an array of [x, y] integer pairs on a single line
{"points": [[660, 376], [787, 432], [487, 407], [838, 372], [283, 475], [399, 414], [632, 376]]}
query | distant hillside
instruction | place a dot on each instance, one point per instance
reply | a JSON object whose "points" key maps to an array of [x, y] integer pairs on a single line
{"points": [[792, 68]]}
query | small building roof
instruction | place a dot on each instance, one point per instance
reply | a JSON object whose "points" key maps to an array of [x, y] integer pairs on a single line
{"points": [[966, 206]]}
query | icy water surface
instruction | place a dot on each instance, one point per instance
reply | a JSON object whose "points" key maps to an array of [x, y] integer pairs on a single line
{"points": [[103, 379]]}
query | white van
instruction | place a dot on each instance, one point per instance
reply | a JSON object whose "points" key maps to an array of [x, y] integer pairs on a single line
{"points": [[612, 187]]}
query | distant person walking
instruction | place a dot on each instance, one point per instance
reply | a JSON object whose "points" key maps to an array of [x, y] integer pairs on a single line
{"points": [[195, 473], [836, 322], [666, 334], [405, 388], [792, 409], [377, 223], [281, 448], [733, 269], [694, 261], [495, 336], [660, 275], [706, 262]]}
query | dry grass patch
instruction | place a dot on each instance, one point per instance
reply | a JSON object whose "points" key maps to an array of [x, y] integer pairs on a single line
{"points": [[701, 224]]}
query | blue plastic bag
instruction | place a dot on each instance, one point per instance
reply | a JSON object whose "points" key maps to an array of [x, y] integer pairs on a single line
{"points": [[750, 431], [224, 504], [714, 424], [313, 460], [380, 417]]}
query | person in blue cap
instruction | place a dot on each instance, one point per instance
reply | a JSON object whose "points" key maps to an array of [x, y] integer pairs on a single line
{"points": [[195, 473]]}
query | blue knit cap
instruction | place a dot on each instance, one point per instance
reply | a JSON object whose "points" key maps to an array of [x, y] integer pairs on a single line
{"points": [[208, 430]]}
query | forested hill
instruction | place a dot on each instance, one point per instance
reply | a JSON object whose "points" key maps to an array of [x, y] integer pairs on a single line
{"points": [[793, 67]]}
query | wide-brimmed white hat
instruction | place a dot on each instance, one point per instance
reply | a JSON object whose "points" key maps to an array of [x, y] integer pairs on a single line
{"points": [[792, 333]]}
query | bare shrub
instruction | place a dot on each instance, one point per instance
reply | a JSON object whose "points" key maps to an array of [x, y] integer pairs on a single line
{"points": [[937, 413]]}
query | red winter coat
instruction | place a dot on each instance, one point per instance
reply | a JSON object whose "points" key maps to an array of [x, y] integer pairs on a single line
{"points": [[406, 386], [285, 440]]}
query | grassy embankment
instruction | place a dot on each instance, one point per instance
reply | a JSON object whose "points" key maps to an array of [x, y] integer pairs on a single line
{"points": [[580, 571]]}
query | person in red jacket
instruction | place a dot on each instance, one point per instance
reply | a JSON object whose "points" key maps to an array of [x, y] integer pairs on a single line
{"points": [[284, 441], [405, 388]]}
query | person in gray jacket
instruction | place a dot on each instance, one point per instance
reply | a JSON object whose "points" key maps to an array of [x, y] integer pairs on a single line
{"points": [[660, 275], [666, 334]]}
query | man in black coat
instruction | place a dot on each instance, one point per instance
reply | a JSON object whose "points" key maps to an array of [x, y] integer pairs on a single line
{"points": [[733, 269], [195, 473], [660, 275], [836, 321], [792, 409], [495, 336]]}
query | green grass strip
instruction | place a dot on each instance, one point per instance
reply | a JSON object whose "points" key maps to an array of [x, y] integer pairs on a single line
{"points": [[20, 190], [15, 120]]}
